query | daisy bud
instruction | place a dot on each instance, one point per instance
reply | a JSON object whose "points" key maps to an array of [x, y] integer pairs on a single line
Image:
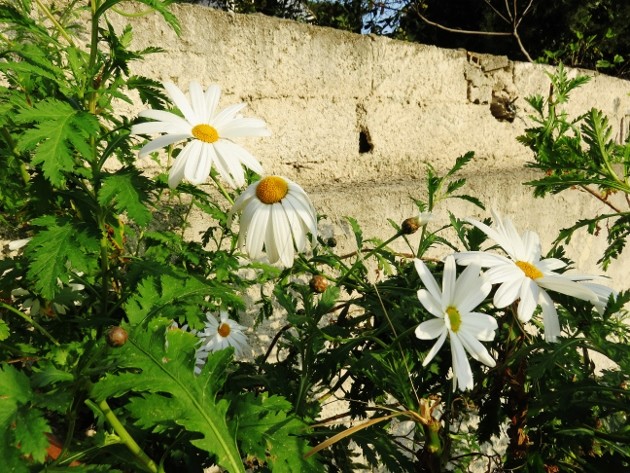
{"points": [[318, 283], [116, 336], [412, 224]]}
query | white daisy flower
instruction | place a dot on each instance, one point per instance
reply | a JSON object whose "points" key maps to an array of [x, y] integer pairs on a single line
{"points": [[210, 136], [220, 334], [453, 308], [277, 215], [523, 274]]}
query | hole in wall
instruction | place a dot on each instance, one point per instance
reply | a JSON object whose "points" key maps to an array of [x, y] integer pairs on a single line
{"points": [[365, 142]]}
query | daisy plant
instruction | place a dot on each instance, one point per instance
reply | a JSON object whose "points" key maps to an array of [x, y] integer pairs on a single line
{"points": [[110, 362]]}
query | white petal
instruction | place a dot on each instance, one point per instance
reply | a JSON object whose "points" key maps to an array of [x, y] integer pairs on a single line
{"points": [[485, 260], [462, 374], [550, 264], [531, 244], [245, 127], [161, 142], [197, 164], [282, 235], [449, 276], [507, 292], [176, 173], [528, 293], [481, 326], [231, 161], [435, 348], [239, 154], [257, 230], [213, 95], [429, 282], [180, 100], [504, 273], [198, 102], [241, 200], [430, 303], [475, 348], [167, 118], [226, 115], [222, 167], [551, 322], [149, 128], [564, 285], [304, 210], [273, 254], [430, 329], [297, 227], [472, 289]]}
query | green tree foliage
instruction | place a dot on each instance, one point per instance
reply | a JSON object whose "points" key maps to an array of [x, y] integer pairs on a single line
{"points": [[592, 34]]}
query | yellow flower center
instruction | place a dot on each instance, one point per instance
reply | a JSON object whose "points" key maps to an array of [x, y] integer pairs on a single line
{"points": [[224, 330], [205, 133], [454, 318], [531, 271], [272, 189]]}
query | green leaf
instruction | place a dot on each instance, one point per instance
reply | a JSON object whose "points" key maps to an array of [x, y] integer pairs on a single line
{"points": [[356, 229], [14, 390], [57, 251], [4, 331], [30, 431], [267, 430], [20, 423], [173, 297], [160, 6], [59, 131], [156, 371], [126, 190]]}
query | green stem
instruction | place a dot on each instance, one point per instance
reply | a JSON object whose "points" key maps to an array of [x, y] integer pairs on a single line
{"points": [[54, 21], [30, 321], [222, 190], [361, 258], [127, 439]]}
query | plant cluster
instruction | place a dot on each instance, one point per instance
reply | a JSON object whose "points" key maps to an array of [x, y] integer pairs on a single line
{"points": [[124, 342]]}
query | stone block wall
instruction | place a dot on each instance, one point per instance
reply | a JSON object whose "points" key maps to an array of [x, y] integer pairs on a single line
{"points": [[356, 119]]}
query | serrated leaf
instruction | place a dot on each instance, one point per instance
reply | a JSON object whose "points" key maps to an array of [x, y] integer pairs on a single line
{"points": [[58, 131], [169, 295], [159, 6], [460, 162], [30, 432], [356, 229], [267, 430], [151, 369], [19, 424], [4, 331], [127, 191], [55, 252]]}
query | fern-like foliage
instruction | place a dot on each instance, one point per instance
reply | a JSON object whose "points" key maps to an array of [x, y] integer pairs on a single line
{"points": [[63, 247], [157, 379], [127, 191], [23, 428], [60, 134]]}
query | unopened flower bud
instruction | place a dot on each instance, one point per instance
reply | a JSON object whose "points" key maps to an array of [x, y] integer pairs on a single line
{"points": [[412, 224], [116, 336], [318, 284]]}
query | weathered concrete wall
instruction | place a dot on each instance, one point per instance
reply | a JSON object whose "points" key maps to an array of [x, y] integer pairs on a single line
{"points": [[321, 89]]}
